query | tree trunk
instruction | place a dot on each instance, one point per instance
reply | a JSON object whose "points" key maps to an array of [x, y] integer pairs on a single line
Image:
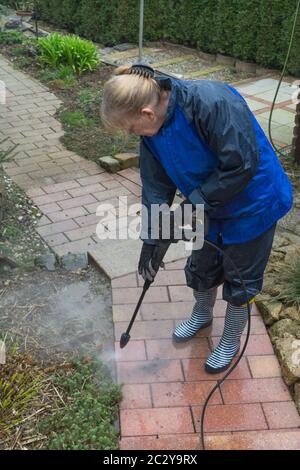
{"points": [[296, 138]]}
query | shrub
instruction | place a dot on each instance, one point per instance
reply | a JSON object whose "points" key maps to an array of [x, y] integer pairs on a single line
{"points": [[79, 54], [246, 29], [256, 30], [104, 24]]}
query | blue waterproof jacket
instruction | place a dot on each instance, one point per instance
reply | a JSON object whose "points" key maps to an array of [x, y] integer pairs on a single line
{"points": [[213, 150]]}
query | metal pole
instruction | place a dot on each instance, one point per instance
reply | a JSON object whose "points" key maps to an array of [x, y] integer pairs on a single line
{"points": [[141, 30], [35, 19]]}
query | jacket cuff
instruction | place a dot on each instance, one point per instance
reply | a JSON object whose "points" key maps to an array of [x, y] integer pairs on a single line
{"points": [[148, 241], [196, 198]]}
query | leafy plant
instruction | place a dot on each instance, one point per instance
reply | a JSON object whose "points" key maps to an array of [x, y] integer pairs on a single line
{"points": [[86, 422], [290, 283], [52, 50], [58, 50], [10, 37]]}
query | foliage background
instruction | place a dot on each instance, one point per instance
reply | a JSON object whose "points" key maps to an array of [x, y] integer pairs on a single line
{"points": [[251, 30]]}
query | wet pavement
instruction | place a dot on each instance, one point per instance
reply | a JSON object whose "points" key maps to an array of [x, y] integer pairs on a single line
{"points": [[54, 313]]}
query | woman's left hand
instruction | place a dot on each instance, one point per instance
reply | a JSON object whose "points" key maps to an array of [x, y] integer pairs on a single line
{"points": [[184, 223]]}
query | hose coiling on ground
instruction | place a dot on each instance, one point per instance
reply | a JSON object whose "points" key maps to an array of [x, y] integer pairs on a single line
{"points": [[219, 382]]}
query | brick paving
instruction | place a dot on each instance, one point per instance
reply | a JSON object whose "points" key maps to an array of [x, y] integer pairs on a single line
{"points": [[164, 385]]}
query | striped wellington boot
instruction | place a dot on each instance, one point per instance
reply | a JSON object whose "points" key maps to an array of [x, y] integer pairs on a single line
{"points": [[229, 345], [201, 317]]}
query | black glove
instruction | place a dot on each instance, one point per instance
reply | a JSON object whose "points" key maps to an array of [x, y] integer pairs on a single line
{"points": [[151, 259], [179, 217], [145, 267]]}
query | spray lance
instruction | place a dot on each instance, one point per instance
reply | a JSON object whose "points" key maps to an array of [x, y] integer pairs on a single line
{"points": [[156, 261], [158, 255]]}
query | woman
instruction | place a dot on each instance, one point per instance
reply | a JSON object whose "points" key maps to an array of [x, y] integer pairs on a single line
{"points": [[201, 137]]}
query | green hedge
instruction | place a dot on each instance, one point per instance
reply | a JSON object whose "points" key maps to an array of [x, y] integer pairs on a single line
{"points": [[254, 30]]}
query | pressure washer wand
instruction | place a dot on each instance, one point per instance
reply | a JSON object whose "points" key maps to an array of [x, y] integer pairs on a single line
{"points": [[158, 256], [125, 337]]}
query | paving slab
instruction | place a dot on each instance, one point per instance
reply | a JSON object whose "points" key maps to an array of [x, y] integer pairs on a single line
{"points": [[120, 257], [281, 117]]}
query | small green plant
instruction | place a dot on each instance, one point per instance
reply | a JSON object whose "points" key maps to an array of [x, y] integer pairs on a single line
{"points": [[59, 50], [9, 232], [18, 51], [290, 283], [24, 62], [64, 72], [85, 97], [30, 47], [114, 149], [47, 75], [76, 119], [86, 422], [63, 76], [10, 37], [69, 81], [5, 155]]}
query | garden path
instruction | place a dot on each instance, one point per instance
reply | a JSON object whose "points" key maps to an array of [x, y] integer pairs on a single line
{"points": [[164, 385]]}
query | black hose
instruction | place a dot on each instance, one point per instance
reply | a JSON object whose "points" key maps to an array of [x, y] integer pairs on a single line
{"points": [[219, 382], [280, 80]]}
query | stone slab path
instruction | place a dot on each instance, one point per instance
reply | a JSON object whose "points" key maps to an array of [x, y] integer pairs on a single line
{"points": [[164, 385]]}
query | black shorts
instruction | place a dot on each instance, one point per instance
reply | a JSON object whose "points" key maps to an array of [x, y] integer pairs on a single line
{"points": [[207, 268]]}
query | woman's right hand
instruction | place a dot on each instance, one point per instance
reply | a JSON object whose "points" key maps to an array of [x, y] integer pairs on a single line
{"points": [[145, 267]]}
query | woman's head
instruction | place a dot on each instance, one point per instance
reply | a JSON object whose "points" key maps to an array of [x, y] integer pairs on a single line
{"points": [[133, 103]]}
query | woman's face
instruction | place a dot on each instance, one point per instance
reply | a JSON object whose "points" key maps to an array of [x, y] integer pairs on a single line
{"points": [[146, 124], [150, 119]]}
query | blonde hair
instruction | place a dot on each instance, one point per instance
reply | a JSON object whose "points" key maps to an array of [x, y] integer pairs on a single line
{"points": [[124, 95]]}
